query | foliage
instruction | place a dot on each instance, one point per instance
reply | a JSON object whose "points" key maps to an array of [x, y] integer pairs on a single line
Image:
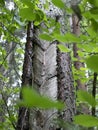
{"points": [[32, 99], [58, 3], [92, 63], [84, 96], [86, 120]]}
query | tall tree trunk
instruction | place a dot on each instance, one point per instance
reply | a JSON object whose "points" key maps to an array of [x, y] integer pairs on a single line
{"points": [[45, 81], [78, 64], [65, 77], [23, 116], [44, 78], [65, 86]]}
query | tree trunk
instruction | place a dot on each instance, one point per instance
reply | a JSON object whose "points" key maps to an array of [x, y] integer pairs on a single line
{"points": [[78, 64], [44, 78], [66, 90], [65, 86], [23, 116]]}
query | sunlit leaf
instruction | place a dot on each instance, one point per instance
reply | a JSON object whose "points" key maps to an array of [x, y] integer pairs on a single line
{"points": [[60, 38], [86, 120], [46, 37], [27, 3], [67, 38], [24, 14], [58, 3], [63, 48], [20, 51], [39, 16]]}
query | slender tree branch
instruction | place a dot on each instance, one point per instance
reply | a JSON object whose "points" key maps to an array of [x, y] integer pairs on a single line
{"points": [[12, 34], [8, 55], [8, 110]]}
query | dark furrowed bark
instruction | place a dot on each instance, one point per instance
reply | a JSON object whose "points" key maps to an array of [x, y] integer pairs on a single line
{"points": [[65, 86], [23, 116]]}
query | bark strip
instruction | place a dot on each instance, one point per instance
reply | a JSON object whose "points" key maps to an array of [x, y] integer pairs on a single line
{"points": [[23, 117], [65, 86]]}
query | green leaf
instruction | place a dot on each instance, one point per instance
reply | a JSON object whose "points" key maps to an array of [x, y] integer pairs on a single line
{"points": [[2, 3], [91, 32], [27, 13], [90, 15], [63, 48], [94, 10], [39, 16], [58, 3], [86, 120], [72, 38], [60, 38], [92, 63], [46, 37], [87, 14], [28, 3], [67, 38], [20, 51], [93, 2], [83, 37], [86, 97], [32, 99], [94, 25]]}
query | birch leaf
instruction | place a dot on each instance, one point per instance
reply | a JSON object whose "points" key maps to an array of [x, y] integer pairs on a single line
{"points": [[86, 120], [32, 99]]}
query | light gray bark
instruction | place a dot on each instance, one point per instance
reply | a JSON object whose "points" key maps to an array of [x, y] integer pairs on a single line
{"points": [[44, 74], [44, 80]]}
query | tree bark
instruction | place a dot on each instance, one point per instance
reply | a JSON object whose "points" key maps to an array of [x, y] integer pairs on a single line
{"points": [[45, 75], [78, 64], [65, 86], [23, 116], [44, 80]]}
